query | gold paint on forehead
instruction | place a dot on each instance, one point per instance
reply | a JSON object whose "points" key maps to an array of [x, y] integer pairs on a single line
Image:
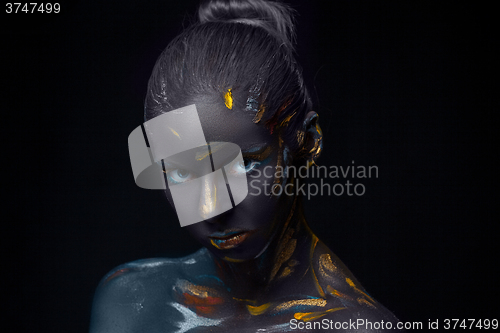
{"points": [[310, 302], [258, 310], [308, 316], [228, 99], [175, 133], [214, 147], [259, 114]]}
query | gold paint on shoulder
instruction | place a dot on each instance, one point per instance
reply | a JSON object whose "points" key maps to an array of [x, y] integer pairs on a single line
{"points": [[364, 301], [337, 293], [308, 316], [232, 260], [285, 251], [245, 300], [310, 302], [314, 242], [359, 291], [258, 310], [286, 272], [326, 266], [196, 290]]}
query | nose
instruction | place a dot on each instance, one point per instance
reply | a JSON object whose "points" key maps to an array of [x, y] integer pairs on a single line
{"points": [[208, 196]]}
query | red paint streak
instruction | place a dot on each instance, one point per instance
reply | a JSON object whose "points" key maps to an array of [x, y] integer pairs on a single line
{"points": [[202, 305], [117, 273]]}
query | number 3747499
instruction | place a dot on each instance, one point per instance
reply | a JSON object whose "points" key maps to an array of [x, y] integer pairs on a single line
{"points": [[32, 8]]}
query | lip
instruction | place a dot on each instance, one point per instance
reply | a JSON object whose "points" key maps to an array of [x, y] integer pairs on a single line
{"points": [[229, 239]]}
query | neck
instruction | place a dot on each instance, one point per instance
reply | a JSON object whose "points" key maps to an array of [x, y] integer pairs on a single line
{"points": [[258, 277]]}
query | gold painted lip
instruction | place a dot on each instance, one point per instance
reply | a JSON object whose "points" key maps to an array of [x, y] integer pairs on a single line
{"points": [[229, 241]]}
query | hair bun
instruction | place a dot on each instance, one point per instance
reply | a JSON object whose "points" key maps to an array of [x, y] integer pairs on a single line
{"points": [[275, 17]]}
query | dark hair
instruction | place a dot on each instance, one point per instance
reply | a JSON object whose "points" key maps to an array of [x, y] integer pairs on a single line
{"points": [[242, 45]]}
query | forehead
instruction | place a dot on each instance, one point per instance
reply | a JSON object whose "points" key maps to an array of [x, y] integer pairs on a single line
{"points": [[224, 125]]}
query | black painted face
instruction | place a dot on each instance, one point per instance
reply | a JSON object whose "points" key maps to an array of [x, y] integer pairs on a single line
{"points": [[244, 232]]}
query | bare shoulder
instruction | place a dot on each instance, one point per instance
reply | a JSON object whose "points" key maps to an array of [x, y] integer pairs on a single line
{"points": [[132, 294]]}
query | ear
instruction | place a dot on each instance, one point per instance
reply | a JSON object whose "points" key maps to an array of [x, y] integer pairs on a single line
{"points": [[313, 139]]}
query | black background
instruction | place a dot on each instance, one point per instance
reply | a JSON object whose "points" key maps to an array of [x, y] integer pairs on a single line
{"points": [[401, 85]]}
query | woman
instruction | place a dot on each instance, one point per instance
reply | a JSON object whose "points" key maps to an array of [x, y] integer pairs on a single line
{"points": [[261, 268]]}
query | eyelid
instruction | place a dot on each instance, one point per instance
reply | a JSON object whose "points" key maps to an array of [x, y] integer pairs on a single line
{"points": [[259, 155], [170, 166]]}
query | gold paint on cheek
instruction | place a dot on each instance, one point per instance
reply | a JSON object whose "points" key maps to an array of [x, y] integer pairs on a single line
{"points": [[308, 316], [309, 302], [259, 114], [208, 197], [228, 99], [258, 310]]}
